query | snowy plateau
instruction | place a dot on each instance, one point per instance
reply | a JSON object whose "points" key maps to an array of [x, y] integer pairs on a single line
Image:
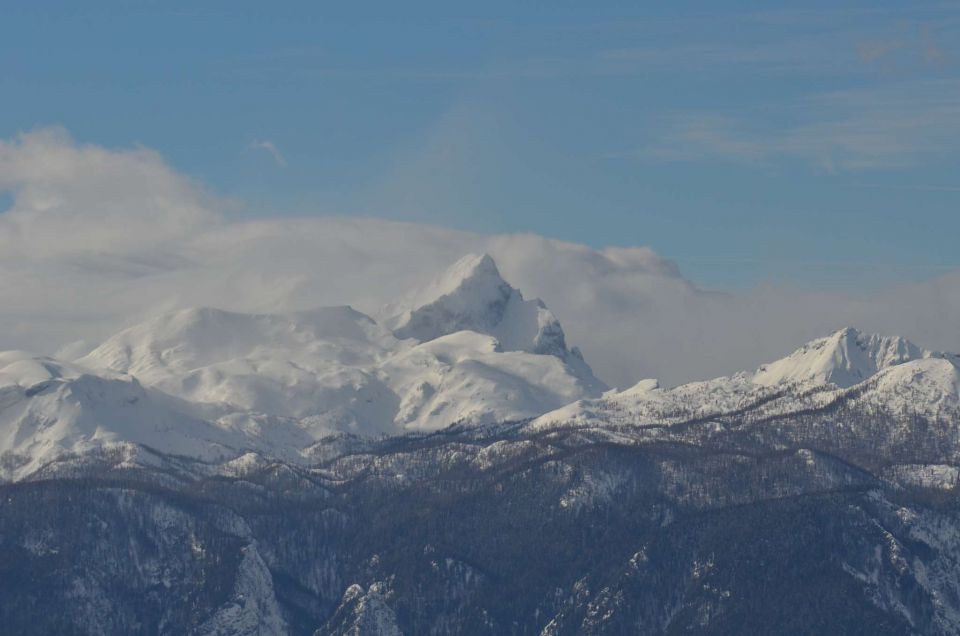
{"points": [[452, 465]]}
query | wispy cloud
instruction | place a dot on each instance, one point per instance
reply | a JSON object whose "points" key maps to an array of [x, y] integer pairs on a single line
{"points": [[913, 45], [912, 187], [271, 148], [825, 42], [855, 130], [813, 42]]}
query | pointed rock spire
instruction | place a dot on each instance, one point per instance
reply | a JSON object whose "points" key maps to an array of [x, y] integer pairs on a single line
{"points": [[471, 295]]}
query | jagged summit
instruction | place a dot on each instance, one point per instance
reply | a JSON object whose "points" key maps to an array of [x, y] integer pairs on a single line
{"points": [[845, 358], [471, 295], [473, 274]]}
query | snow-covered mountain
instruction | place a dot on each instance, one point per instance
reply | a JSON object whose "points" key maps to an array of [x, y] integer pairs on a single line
{"points": [[468, 350], [472, 296], [845, 358], [729, 506], [887, 373], [209, 455]]}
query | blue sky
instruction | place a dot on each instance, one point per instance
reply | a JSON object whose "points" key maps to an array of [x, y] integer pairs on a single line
{"points": [[808, 143]]}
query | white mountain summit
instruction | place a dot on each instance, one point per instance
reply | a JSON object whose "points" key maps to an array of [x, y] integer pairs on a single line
{"points": [[472, 296], [845, 358]]}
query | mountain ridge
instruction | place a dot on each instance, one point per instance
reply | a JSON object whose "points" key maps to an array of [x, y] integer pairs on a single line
{"points": [[276, 384], [889, 371]]}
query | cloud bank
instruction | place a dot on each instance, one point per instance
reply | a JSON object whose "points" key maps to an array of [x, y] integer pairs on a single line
{"points": [[97, 239]]}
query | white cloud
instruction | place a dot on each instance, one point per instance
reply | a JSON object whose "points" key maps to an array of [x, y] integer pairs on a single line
{"points": [[271, 148], [86, 200], [97, 239]]}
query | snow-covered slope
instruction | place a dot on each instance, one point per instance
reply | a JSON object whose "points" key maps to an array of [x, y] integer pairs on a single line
{"points": [[49, 407], [482, 354], [466, 377], [926, 386], [320, 363]]}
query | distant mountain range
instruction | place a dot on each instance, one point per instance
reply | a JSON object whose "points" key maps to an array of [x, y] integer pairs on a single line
{"points": [[454, 466]]}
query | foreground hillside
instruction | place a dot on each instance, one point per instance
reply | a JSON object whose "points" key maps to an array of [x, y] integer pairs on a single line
{"points": [[567, 531]]}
